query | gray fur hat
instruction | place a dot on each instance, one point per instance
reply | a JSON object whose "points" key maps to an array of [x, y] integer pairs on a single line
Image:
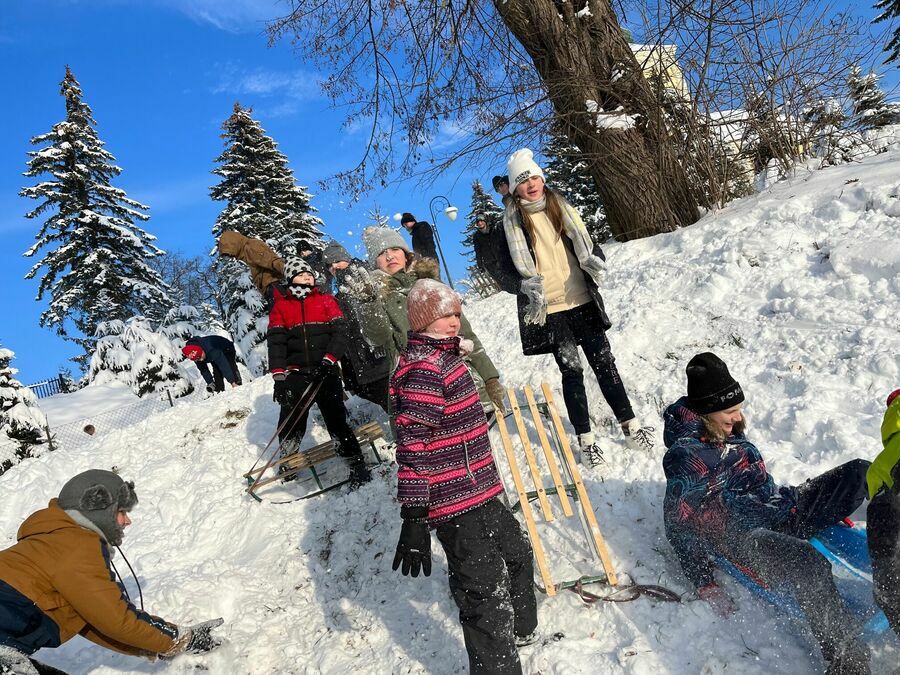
{"points": [[98, 495], [334, 253], [378, 239]]}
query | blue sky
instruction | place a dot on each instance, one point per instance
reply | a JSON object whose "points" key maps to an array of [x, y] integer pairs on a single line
{"points": [[161, 77]]}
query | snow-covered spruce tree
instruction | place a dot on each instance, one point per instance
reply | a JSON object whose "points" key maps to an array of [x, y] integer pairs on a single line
{"points": [[95, 257], [890, 11], [262, 201], [21, 420], [132, 353], [870, 107], [831, 140], [567, 171], [181, 324], [484, 204]]}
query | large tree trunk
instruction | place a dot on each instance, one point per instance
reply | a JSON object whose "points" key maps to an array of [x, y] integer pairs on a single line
{"points": [[644, 189]]}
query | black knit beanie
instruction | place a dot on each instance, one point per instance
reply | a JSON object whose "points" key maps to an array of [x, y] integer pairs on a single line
{"points": [[407, 217], [710, 386], [99, 494]]}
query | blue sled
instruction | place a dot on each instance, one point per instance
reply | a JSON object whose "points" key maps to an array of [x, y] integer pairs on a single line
{"points": [[846, 549]]}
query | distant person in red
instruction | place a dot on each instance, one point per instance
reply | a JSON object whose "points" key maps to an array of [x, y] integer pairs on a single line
{"points": [[218, 352]]}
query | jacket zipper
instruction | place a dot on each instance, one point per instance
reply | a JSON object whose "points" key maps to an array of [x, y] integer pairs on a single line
{"points": [[468, 468], [303, 330]]}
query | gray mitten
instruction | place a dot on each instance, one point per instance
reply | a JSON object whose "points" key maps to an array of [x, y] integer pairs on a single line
{"points": [[358, 284], [533, 289], [594, 266]]}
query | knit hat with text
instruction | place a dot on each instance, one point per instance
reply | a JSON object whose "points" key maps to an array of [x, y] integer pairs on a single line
{"points": [[521, 166], [429, 300], [710, 386]]}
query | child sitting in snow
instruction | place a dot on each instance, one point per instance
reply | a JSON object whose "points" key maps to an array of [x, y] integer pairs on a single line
{"points": [[720, 500], [306, 339], [883, 515], [447, 481]]}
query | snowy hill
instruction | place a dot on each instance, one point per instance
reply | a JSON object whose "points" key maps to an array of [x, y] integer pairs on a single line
{"points": [[796, 289]]}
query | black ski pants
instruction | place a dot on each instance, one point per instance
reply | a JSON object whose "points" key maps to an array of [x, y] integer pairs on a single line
{"points": [[492, 581], [581, 327], [376, 392], [786, 560], [330, 400], [883, 534]]}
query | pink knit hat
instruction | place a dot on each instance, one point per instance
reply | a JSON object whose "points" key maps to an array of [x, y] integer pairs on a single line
{"points": [[428, 301]]}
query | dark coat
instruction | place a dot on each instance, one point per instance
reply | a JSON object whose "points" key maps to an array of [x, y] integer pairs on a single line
{"points": [[715, 491], [365, 362], [491, 251], [303, 332], [423, 239], [541, 339], [219, 352]]}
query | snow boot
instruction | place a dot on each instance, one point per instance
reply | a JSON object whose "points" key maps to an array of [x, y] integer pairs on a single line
{"points": [[14, 662], [851, 658], [287, 447], [637, 438], [359, 472], [537, 636], [590, 452]]}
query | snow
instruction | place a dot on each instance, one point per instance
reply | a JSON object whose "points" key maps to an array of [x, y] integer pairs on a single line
{"points": [[611, 120], [88, 401], [796, 289]]}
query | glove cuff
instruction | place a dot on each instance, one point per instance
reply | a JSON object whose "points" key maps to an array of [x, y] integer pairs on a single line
{"points": [[278, 377]]}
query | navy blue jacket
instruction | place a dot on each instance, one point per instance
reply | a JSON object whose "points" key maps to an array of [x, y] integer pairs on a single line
{"points": [[715, 491], [218, 351]]}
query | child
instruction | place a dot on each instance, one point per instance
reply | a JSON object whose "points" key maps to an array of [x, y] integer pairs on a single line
{"points": [[721, 500], [883, 515], [306, 339], [447, 480]]}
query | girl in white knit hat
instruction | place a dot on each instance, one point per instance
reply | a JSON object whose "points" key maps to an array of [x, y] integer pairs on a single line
{"points": [[559, 272]]}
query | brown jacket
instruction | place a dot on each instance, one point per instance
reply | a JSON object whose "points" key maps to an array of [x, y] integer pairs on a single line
{"points": [[63, 569], [266, 266]]}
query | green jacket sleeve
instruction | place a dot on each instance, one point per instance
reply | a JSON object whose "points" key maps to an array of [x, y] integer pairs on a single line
{"points": [[479, 358]]}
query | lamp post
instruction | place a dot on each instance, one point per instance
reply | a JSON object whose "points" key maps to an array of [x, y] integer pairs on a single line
{"points": [[450, 212]]}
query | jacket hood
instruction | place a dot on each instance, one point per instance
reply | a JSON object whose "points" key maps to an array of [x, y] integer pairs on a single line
{"points": [[890, 426], [421, 268], [46, 520], [681, 422], [230, 243]]}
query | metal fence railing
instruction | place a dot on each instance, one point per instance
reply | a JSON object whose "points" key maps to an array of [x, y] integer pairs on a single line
{"points": [[45, 388]]}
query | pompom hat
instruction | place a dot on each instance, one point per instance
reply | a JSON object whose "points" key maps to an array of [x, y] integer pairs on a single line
{"points": [[428, 301], [521, 166]]}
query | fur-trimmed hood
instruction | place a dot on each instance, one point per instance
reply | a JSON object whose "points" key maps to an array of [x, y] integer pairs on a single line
{"points": [[401, 282]]}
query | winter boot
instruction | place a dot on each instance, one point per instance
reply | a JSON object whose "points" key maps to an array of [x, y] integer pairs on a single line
{"points": [[14, 662], [590, 452], [286, 448], [637, 438], [851, 658], [359, 472]]}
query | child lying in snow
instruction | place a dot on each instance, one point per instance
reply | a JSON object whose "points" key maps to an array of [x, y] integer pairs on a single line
{"points": [[447, 480], [883, 515], [720, 500]]}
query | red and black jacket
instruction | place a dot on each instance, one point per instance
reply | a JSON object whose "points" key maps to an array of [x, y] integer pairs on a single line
{"points": [[303, 332]]}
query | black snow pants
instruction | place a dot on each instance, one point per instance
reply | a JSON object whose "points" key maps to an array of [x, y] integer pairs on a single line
{"points": [[883, 534], [582, 327], [787, 561], [492, 581], [377, 392], [330, 400]]}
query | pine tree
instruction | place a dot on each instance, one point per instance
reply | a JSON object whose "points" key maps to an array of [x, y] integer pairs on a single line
{"points": [[482, 203], [20, 417], [181, 324], [132, 353], [262, 201], [891, 11], [827, 130], [95, 260], [870, 107], [566, 171]]}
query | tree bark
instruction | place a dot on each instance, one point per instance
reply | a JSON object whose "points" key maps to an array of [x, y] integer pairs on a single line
{"points": [[643, 187]]}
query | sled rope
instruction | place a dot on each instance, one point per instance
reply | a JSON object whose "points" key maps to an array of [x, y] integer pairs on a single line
{"points": [[626, 593]]}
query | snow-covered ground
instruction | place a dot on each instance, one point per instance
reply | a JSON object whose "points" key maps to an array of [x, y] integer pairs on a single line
{"points": [[797, 289]]}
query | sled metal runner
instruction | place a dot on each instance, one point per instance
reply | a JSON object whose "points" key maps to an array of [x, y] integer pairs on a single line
{"points": [[556, 456], [291, 465]]}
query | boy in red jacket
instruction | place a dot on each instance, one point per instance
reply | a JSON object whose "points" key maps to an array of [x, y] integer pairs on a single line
{"points": [[306, 339], [447, 480]]}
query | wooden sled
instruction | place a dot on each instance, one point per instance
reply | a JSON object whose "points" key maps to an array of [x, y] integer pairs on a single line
{"points": [[308, 459], [555, 455]]}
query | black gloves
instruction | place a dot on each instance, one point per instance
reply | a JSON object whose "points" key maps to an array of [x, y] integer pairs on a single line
{"points": [[282, 394], [414, 547], [323, 370], [201, 639]]}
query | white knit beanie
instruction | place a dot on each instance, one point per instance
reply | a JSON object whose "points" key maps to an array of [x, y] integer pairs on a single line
{"points": [[521, 166]]}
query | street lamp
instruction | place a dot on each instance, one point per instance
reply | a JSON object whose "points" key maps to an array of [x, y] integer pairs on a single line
{"points": [[451, 212]]}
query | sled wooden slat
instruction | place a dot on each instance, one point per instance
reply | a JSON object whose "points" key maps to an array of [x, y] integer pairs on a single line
{"points": [[527, 514], [587, 507], [548, 453], [529, 457]]}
